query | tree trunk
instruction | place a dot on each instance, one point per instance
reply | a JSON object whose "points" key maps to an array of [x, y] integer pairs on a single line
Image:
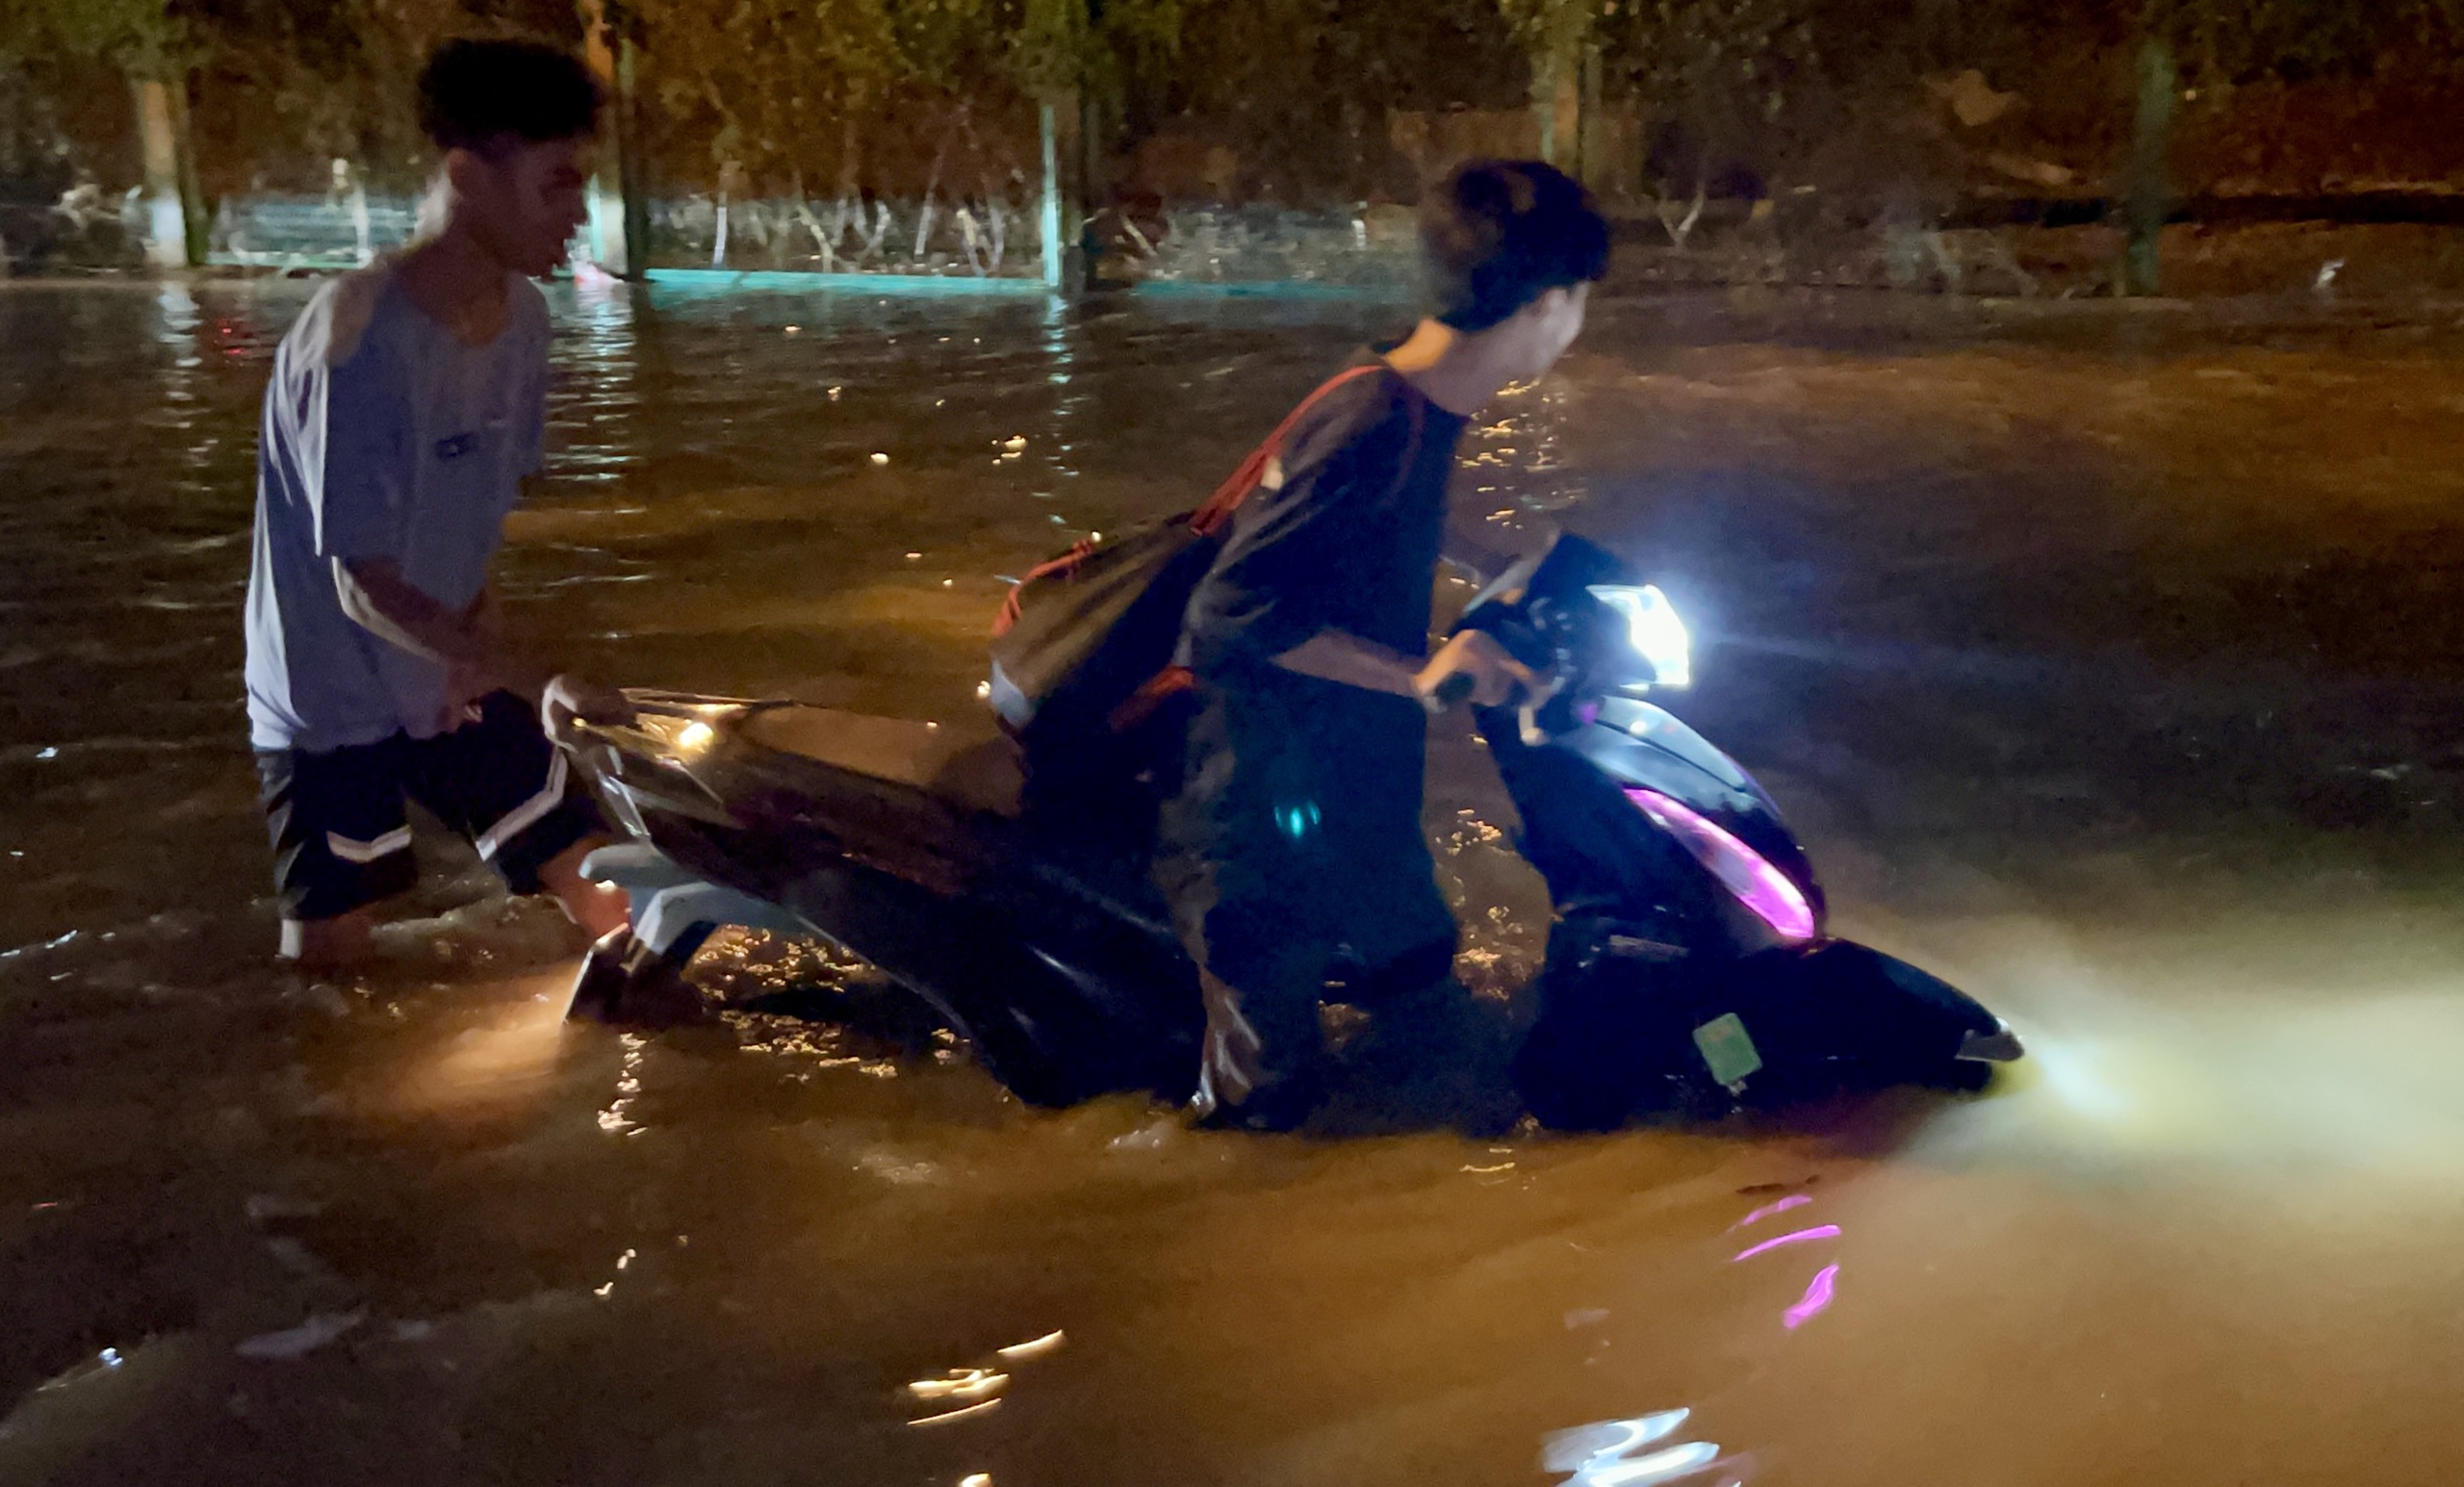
{"points": [[1592, 149], [197, 222], [614, 245], [632, 169], [179, 227], [2147, 196], [1556, 98], [931, 188]]}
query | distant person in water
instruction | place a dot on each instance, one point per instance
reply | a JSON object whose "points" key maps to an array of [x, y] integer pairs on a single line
{"points": [[408, 406]]}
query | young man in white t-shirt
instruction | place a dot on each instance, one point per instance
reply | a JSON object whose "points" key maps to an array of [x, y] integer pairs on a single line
{"points": [[406, 407]]}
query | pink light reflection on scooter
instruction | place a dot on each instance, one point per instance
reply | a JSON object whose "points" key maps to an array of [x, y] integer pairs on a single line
{"points": [[1757, 884]]}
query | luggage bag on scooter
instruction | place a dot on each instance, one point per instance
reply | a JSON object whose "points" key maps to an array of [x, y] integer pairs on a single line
{"points": [[1082, 653]]}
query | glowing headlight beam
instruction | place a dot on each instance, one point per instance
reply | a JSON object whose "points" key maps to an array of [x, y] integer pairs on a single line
{"points": [[1658, 633]]}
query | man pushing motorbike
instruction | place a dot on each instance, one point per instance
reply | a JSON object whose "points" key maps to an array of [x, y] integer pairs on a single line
{"points": [[1291, 845], [408, 406]]}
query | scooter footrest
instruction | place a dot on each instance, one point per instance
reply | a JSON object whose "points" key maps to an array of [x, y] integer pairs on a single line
{"points": [[633, 865], [689, 911]]}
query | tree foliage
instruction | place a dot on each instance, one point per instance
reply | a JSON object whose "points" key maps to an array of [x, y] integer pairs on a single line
{"points": [[847, 91], [1730, 58], [1091, 46], [140, 36], [2241, 41]]}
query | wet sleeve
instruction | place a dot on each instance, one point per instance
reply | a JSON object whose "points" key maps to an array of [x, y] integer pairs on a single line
{"points": [[362, 425], [1281, 579]]}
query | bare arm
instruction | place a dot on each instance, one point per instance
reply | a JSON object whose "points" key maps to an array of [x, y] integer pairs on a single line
{"points": [[376, 597], [1343, 657], [379, 598]]}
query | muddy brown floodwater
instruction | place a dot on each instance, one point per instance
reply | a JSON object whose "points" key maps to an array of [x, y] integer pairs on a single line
{"points": [[2108, 658]]}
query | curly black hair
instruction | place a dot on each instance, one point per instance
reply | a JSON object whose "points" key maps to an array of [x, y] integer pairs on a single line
{"points": [[1498, 233], [477, 94]]}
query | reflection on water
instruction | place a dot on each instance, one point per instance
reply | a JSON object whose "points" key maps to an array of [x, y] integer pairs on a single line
{"points": [[2106, 664], [1819, 1295], [1619, 1453], [596, 437], [1820, 1231], [504, 1060]]}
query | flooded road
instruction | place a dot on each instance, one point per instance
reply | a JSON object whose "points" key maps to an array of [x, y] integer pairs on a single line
{"points": [[2108, 657]]}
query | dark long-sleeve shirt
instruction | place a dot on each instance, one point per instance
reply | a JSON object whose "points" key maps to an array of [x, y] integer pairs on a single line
{"points": [[1347, 538]]}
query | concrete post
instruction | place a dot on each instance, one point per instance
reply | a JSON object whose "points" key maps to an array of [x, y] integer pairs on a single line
{"points": [[1049, 210]]}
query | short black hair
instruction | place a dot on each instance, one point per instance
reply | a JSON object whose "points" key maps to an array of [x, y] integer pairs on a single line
{"points": [[1498, 233], [476, 95]]}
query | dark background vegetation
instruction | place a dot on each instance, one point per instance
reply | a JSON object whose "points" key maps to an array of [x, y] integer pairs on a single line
{"points": [[1290, 100]]}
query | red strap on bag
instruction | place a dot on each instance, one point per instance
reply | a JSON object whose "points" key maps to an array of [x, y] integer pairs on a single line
{"points": [[1174, 680], [1143, 703], [1059, 567], [1208, 519]]}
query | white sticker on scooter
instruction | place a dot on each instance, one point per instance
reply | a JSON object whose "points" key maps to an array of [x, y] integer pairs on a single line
{"points": [[1729, 1049]]}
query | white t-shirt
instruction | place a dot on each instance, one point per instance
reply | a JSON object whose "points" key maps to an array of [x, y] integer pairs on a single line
{"points": [[384, 437]]}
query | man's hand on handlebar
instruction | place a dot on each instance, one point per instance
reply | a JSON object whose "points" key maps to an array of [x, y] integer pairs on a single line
{"points": [[1474, 667], [569, 698]]}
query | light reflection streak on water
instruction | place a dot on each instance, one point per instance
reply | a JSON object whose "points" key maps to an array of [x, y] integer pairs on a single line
{"points": [[594, 418], [1793, 1200], [1606, 1453], [613, 1120], [1060, 341], [966, 1386], [180, 320], [1818, 1298], [976, 1391], [1602, 1454], [183, 320], [1820, 1231], [1033, 1348], [953, 1417], [503, 1059]]}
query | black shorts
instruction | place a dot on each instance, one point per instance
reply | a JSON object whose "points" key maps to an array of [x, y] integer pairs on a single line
{"points": [[342, 838]]}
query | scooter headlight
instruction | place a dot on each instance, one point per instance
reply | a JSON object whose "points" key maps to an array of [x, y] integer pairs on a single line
{"points": [[678, 737], [1654, 630]]}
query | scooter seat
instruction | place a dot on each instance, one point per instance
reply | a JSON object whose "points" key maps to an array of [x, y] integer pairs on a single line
{"points": [[972, 766]]}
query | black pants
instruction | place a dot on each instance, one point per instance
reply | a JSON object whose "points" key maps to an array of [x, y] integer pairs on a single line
{"points": [[1293, 852], [342, 839]]}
